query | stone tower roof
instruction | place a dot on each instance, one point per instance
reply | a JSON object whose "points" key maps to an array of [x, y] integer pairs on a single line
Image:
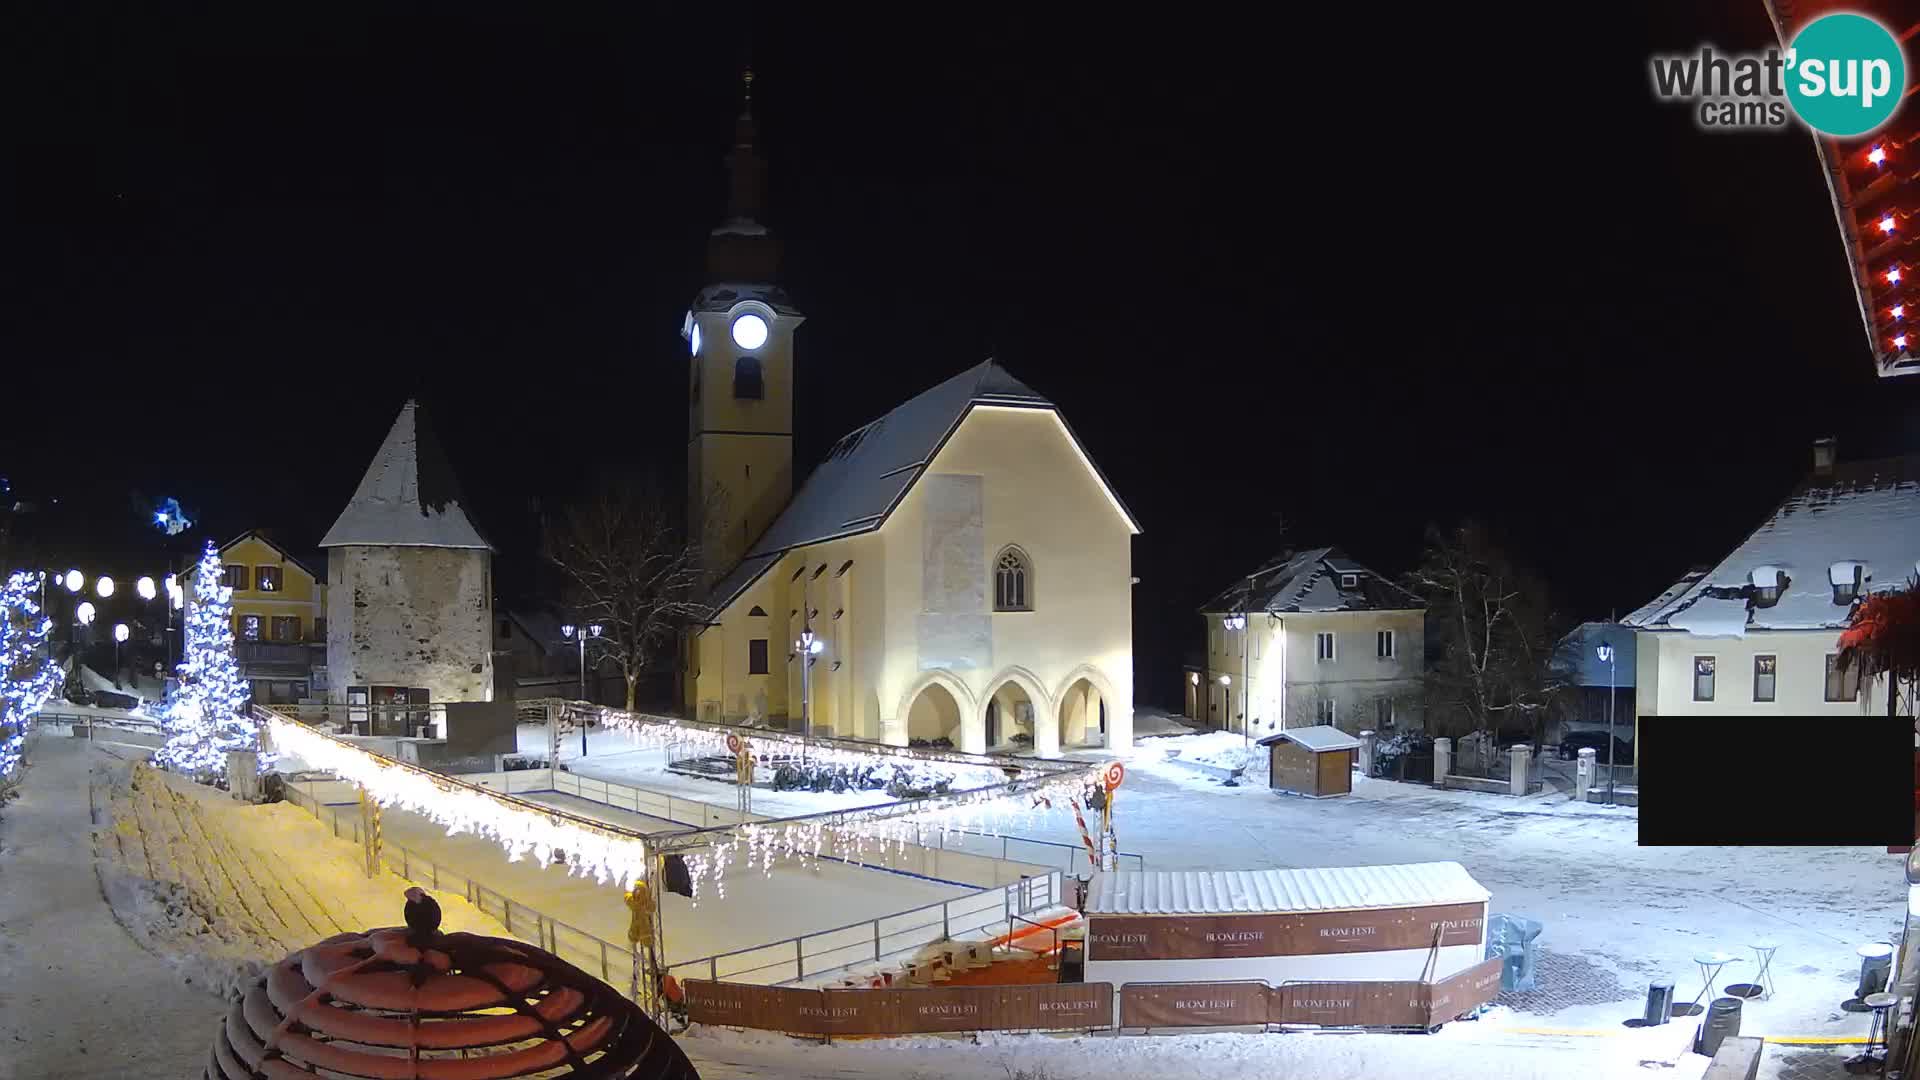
{"points": [[408, 498]]}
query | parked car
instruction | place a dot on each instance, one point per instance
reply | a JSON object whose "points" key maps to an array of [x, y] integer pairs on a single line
{"points": [[1577, 741]]}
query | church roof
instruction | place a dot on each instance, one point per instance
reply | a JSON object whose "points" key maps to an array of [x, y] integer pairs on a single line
{"points": [[409, 497], [871, 469]]}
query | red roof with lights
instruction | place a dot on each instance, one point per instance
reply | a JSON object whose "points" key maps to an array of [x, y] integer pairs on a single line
{"points": [[1875, 182]]}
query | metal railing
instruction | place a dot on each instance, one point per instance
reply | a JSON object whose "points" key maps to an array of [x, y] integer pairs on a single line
{"points": [[875, 940], [613, 961], [90, 721], [1074, 854], [654, 804]]}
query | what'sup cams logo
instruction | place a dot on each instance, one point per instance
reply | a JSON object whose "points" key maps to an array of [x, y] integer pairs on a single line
{"points": [[1843, 75]]}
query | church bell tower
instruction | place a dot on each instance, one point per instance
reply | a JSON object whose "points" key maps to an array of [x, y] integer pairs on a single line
{"points": [[739, 333]]}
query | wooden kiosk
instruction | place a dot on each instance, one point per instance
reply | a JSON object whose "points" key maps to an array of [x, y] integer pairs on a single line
{"points": [[1314, 761]]}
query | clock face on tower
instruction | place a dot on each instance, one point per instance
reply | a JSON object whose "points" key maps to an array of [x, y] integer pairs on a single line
{"points": [[694, 339], [749, 332]]}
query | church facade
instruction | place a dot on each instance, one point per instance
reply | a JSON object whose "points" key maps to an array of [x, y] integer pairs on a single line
{"points": [[957, 572]]}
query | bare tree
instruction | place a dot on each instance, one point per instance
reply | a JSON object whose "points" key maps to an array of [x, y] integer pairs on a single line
{"points": [[1492, 629], [631, 567]]}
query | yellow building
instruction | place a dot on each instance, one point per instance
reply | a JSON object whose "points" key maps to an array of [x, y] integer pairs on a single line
{"points": [[962, 565], [279, 618]]}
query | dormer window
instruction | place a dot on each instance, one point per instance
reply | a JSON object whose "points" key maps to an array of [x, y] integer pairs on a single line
{"points": [[1349, 581], [1847, 579], [1767, 581]]}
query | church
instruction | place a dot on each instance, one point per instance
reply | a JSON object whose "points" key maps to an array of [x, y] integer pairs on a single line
{"points": [[955, 573]]}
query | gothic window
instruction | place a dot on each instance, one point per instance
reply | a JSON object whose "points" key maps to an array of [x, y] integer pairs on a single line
{"points": [[1012, 581], [746, 378]]}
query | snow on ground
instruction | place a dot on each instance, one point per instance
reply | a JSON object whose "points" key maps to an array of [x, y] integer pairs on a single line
{"points": [[1461, 1051], [756, 909], [74, 988], [202, 880], [1617, 915]]}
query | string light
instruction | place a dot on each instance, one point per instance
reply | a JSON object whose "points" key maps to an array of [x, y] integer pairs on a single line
{"points": [[206, 716], [28, 677], [1893, 276], [1877, 155], [1886, 224], [609, 856], [1899, 311], [1900, 341]]}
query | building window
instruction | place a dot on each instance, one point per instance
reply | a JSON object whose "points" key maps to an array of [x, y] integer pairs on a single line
{"points": [[286, 628], [1323, 646], [1383, 712], [320, 629], [757, 611], [1383, 644], [266, 578], [249, 626], [1349, 581], [1843, 684], [757, 656], [747, 382], [1846, 579], [1763, 677], [1012, 581], [1703, 678], [235, 577], [1324, 711]]}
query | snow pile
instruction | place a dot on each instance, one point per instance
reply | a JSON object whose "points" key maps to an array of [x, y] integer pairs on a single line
{"points": [[219, 955]]}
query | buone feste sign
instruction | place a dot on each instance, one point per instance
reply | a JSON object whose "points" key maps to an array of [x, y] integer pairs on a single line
{"points": [[1310, 933]]}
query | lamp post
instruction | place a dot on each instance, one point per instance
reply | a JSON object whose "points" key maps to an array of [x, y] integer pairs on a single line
{"points": [[1605, 652], [119, 638], [1239, 622], [580, 634], [807, 647]]}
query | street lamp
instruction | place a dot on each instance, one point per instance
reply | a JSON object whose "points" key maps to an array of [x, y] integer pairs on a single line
{"points": [[809, 646], [145, 588], [74, 581], [84, 613], [104, 586], [580, 634], [119, 637], [1606, 657]]}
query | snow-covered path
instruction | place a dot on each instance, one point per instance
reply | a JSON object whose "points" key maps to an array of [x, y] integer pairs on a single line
{"points": [[74, 988]]}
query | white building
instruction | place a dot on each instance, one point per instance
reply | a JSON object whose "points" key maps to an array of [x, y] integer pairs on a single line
{"points": [[410, 582], [1312, 638], [1759, 632]]}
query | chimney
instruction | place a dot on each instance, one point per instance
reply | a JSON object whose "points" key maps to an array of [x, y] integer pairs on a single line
{"points": [[1824, 451]]}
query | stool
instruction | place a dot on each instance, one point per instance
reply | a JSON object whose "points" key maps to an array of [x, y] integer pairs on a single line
{"points": [[1875, 1051], [1762, 985], [1710, 965]]}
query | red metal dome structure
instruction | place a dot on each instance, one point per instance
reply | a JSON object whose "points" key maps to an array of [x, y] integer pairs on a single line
{"points": [[1874, 180], [400, 1004]]}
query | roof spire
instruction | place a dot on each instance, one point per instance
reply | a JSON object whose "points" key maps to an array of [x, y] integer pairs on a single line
{"points": [[741, 249]]}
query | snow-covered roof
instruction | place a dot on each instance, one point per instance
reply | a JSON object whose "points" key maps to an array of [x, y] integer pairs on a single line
{"points": [[1864, 512], [872, 468], [1310, 581], [408, 498], [723, 295], [1318, 738], [1219, 892]]}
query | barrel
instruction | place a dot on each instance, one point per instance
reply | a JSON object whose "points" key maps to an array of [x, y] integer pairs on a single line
{"points": [[1659, 1003], [1723, 1021]]}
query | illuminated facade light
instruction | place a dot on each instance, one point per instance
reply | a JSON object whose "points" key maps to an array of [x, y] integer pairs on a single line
{"points": [[1877, 155], [1886, 224], [1893, 276]]}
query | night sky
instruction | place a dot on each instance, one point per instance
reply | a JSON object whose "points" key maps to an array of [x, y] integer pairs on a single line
{"points": [[1362, 274]]}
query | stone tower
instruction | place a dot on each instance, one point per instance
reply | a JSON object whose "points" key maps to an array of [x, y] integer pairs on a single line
{"points": [[740, 334], [410, 581]]}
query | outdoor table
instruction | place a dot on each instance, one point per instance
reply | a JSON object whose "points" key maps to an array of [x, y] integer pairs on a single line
{"points": [[1710, 965], [1875, 1052], [1762, 985]]}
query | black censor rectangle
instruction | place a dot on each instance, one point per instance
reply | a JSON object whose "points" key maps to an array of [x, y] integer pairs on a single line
{"points": [[1776, 781]]}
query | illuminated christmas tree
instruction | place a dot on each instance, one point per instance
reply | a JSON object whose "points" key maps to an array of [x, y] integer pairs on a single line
{"points": [[28, 676], [207, 716]]}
